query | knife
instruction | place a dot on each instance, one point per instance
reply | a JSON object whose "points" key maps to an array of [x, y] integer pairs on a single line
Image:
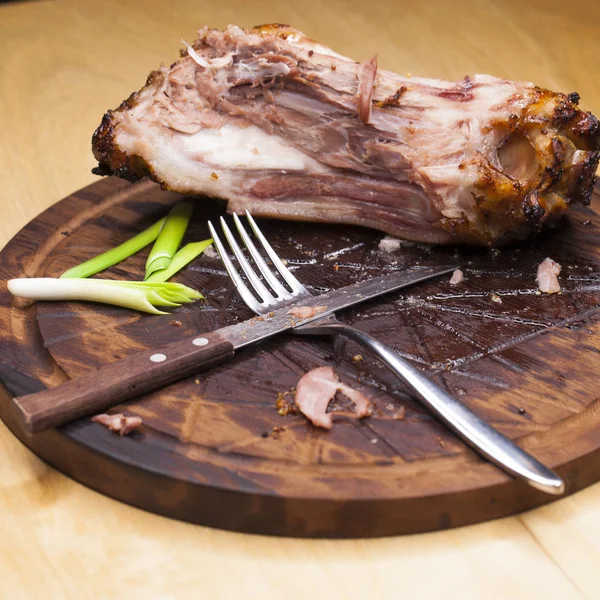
{"points": [[155, 368]]}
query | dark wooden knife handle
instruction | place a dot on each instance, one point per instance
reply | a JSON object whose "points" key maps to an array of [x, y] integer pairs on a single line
{"points": [[120, 381]]}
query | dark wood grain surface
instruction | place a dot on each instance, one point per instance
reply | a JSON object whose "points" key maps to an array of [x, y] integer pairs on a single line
{"points": [[214, 449]]}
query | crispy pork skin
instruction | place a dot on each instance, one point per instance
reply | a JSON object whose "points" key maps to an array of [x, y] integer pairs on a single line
{"points": [[287, 128]]}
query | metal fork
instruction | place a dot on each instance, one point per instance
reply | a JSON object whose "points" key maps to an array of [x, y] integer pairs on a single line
{"points": [[474, 431]]}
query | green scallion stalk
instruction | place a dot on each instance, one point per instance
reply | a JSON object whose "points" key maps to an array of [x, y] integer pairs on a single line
{"points": [[117, 254], [130, 294], [183, 257], [169, 238], [167, 289]]}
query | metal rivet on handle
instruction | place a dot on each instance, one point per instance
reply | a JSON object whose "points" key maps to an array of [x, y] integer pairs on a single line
{"points": [[200, 341], [158, 357]]}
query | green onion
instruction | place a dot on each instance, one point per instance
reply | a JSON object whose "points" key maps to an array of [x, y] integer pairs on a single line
{"points": [[169, 238], [130, 294], [186, 255], [116, 255]]}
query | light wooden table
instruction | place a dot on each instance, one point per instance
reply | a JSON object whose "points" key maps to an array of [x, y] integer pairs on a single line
{"points": [[62, 64]]}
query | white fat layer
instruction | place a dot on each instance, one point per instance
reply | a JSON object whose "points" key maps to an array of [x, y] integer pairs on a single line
{"points": [[207, 159], [243, 148], [171, 163]]}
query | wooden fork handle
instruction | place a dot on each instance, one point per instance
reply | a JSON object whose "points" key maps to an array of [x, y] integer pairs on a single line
{"points": [[120, 381]]}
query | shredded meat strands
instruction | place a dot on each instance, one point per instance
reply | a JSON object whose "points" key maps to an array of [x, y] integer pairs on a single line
{"points": [[119, 423], [547, 276], [367, 72], [316, 389]]}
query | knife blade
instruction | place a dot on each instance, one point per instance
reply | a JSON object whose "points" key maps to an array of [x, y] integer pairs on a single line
{"points": [[260, 328], [154, 368]]}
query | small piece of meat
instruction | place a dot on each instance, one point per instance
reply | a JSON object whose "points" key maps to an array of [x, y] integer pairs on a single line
{"points": [[211, 252], [316, 389], [119, 423], [547, 276], [400, 414], [284, 127], [457, 277], [367, 72], [390, 244], [176, 323], [306, 312]]}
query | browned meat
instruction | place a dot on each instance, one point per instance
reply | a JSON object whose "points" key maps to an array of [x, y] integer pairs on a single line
{"points": [[317, 388], [285, 127], [119, 423], [547, 276]]}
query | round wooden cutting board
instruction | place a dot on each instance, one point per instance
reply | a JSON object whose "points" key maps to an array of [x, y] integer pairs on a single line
{"points": [[214, 449]]}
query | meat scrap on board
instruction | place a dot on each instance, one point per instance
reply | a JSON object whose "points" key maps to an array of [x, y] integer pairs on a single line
{"points": [[119, 423], [317, 388]]}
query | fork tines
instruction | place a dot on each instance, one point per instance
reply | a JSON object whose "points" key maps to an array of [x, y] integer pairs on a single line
{"points": [[278, 294]]}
